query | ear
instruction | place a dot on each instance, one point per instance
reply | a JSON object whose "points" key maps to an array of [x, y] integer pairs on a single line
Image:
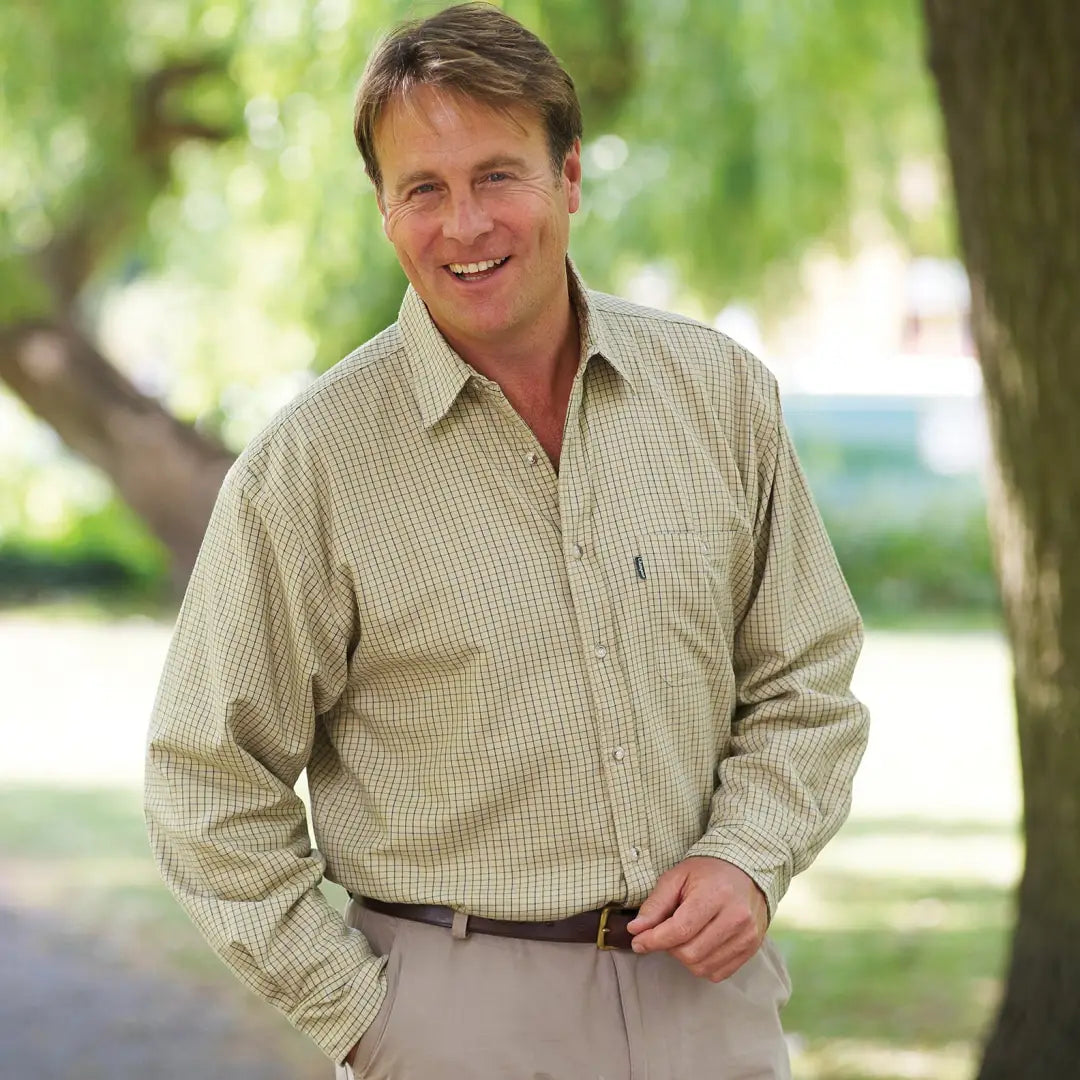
{"points": [[571, 176]]}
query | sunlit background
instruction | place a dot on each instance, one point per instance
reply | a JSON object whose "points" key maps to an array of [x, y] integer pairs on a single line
{"points": [[773, 169]]}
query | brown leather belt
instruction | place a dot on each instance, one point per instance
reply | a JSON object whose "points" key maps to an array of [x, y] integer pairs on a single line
{"points": [[606, 928]]}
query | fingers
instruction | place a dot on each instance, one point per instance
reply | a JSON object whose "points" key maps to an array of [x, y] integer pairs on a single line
{"points": [[711, 946], [684, 923], [659, 904], [707, 913], [718, 951]]}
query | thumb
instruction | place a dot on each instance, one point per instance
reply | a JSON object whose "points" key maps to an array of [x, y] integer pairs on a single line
{"points": [[659, 904]]}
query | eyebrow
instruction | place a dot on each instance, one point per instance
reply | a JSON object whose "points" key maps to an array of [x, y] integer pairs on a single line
{"points": [[423, 176], [501, 161], [420, 176]]}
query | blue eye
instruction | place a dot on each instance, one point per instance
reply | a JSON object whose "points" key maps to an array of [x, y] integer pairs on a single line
{"points": [[497, 176], [422, 189]]}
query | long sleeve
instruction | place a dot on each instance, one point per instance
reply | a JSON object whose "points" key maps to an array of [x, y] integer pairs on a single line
{"points": [[798, 733], [259, 653]]}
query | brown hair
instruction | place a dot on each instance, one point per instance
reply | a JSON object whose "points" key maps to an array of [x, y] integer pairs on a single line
{"points": [[476, 50]]}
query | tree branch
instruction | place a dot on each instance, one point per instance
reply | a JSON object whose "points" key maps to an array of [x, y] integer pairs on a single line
{"points": [[157, 131], [164, 469]]}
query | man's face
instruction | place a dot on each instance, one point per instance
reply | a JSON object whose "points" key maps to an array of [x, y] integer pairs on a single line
{"points": [[479, 220]]}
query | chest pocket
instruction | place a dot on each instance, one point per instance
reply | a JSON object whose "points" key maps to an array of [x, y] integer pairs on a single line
{"points": [[684, 605]]}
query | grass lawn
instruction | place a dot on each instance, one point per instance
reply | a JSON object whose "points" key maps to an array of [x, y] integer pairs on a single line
{"points": [[895, 938], [895, 974]]}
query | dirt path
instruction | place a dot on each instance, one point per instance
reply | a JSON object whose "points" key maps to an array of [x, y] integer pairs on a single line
{"points": [[72, 1010]]}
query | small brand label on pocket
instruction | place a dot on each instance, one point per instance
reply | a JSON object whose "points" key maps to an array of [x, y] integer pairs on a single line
{"points": [[639, 566]]}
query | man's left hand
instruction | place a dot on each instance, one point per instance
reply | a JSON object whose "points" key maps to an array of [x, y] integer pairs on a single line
{"points": [[707, 913]]}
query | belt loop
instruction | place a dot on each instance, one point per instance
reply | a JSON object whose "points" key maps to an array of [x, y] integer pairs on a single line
{"points": [[460, 927]]}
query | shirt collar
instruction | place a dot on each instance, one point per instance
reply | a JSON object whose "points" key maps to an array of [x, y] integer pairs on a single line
{"points": [[597, 339], [439, 374]]}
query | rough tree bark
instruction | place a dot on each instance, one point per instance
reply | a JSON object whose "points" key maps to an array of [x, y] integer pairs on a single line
{"points": [[1008, 76], [165, 470]]}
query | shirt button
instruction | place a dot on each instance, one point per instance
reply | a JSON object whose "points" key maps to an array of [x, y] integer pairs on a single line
{"points": [[531, 457], [578, 551], [618, 753], [600, 652], [635, 853]]}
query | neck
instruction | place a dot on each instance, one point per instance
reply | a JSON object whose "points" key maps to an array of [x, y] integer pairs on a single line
{"points": [[539, 363]]}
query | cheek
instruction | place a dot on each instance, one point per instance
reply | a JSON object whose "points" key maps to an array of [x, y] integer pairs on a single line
{"points": [[408, 232], [522, 208]]}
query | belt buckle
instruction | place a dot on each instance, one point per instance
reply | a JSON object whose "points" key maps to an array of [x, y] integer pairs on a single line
{"points": [[602, 930]]}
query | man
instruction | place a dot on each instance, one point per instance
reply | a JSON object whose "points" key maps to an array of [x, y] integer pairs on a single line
{"points": [[532, 587]]}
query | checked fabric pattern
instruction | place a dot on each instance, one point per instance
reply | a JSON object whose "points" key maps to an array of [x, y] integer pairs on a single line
{"points": [[517, 690]]}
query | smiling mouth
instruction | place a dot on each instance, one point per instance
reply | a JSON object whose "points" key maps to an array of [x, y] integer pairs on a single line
{"points": [[475, 271]]}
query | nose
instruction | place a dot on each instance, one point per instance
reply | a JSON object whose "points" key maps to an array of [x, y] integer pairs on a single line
{"points": [[466, 219]]}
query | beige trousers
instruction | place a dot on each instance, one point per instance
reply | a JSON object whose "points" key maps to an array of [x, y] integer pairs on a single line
{"points": [[489, 1008]]}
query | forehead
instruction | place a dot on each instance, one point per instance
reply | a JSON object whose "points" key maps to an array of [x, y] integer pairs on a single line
{"points": [[439, 125]]}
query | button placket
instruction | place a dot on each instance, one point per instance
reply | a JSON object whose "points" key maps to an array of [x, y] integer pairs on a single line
{"points": [[623, 781], [596, 622]]}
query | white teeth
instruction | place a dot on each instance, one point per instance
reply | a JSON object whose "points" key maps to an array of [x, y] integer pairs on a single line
{"points": [[476, 268]]}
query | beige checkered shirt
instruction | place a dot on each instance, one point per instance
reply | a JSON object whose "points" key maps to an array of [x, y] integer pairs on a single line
{"points": [[518, 692]]}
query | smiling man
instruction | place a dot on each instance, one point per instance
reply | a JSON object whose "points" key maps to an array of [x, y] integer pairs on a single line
{"points": [[532, 587], [479, 215]]}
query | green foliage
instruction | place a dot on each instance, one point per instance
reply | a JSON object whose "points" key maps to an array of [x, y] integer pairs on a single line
{"points": [[103, 551], [938, 562], [913, 542], [753, 130], [239, 192], [721, 138], [186, 168]]}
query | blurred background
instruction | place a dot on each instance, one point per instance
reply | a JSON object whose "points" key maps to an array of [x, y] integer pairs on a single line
{"points": [[187, 238]]}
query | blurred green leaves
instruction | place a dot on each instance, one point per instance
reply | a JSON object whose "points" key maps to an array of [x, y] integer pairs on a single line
{"points": [[755, 129], [206, 144], [179, 176]]}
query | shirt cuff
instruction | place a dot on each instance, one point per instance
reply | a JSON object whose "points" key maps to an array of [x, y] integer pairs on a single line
{"points": [[763, 858], [336, 1025]]}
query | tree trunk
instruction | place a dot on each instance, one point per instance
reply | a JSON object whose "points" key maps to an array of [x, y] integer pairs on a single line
{"points": [[165, 470], [1008, 76]]}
